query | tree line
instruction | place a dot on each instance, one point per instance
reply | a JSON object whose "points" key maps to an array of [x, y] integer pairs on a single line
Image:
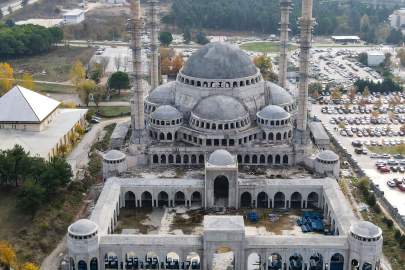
{"points": [[39, 178], [20, 40], [387, 85]]}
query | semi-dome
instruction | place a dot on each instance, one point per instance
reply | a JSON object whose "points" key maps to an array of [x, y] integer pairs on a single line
{"points": [[328, 155], [278, 94], [114, 155], [366, 229], [219, 60], [163, 94], [221, 158], [273, 112], [166, 112], [83, 227], [219, 107]]}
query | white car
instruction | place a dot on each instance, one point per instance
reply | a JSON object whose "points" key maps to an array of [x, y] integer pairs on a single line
{"points": [[343, 133], [374, 155], [391, 183]]}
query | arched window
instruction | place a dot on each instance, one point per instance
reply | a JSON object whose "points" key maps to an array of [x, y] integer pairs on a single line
{"points": [[235, 84], [162, 136], [205, 84], [169, 136], [198, 83], [227, 85], [212, 85], [278, 136]]}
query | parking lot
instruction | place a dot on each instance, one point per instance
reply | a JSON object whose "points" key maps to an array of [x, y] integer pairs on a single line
{"points": [[376, 135]]}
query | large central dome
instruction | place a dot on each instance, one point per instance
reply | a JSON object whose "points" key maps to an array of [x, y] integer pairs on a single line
{"points": [[219, 60]]}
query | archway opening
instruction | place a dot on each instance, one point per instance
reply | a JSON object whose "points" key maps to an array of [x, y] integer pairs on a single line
{"points": [[254, 159], [146, 199], [354, 265], [155, 159], [277, 160], [193, 159], [82, 265], [312, 199], [262, 200], [151, 261], [178, 159], [185, 159], [367, 266], [172, 261], [316, 262], [131, 261], [221, 190], [179, 198], [285, 160], [193, 261], [110, 260], [239, 159], [129, 199], [201, 159], [296, 261], [337, 261], [163, 199], [246, 199], [254, 262], [224, 259], [274, 261], [262, 159], [163, 159], [296, 200], [196, 199], [279, 200], [72, 264], [171, 159]]}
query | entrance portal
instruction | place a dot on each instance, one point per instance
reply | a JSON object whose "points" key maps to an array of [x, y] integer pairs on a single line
{"points": [[221, 191]]}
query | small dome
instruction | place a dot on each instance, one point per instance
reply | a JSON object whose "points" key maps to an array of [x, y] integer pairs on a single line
{"points": [[366, 229], [166, 112], [273, 112], [163, 94], [83, 227], [279, 95], [114, 155], [221, 158], [219, 60], [219, 107], [328, 155]]}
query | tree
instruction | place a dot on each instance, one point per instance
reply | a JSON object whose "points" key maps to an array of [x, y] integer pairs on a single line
{"points": [[366, 92], [125, 62], [117, 61], [165, 37], [336, 94], [79, 129], [24, 2], [168, 53], [201, 37], [342, 125], [187, 35], [6, 78], [351, 93], [7, 254], [315, 86], [104, 61], [119, 80], [263, 63], [315, 95], [401, 148], [27, 81], [29, 199], [85, 89], [9, 21], [30, 266], [347, 104], [374, 114], [165, 66], [98, 94], [63, 149], [378, 103], [177, 64], [58, 173], [76, 74], [166, 20], [96, 71], [363, 58], [73, 137], [57, 11], [1, 14]]}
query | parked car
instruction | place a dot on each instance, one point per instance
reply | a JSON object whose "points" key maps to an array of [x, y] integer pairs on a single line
{"points": [[374, 155], [391, 183], [399, 156], [95, 121], [385, 156], [401, 187], [384, 169], [394, 169], [88, 128]]}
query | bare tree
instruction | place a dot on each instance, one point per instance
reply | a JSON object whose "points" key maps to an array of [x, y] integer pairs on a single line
{"points": [[88, 68], [104, 61], [117, 61], [125, 62]]}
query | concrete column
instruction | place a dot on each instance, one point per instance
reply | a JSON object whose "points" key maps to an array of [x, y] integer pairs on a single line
{"points": [[285, 203], [302, 203]]}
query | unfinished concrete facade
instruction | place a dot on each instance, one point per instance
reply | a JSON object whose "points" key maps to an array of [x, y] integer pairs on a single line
{"points": [[154, 54], [285, 7], [91, 242]]}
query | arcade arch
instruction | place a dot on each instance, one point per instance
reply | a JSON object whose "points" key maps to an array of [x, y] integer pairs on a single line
{"points": [[224, 258], [221, 190]]}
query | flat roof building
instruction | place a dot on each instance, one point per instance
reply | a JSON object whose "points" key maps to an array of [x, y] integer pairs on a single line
{"points": [[398, 18], [345, 38], [73, 16], [374, 58]]}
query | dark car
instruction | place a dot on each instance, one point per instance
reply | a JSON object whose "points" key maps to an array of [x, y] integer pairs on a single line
{"points": [[88, 128], [95, 121], [394, 169], [398, 156]]}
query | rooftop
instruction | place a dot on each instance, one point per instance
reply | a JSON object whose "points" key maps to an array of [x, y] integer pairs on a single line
{"points": [[318, 131], [23, 105], [74, 12], [40, 143]]}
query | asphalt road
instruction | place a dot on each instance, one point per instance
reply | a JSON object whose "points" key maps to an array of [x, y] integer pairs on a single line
{"points": [[394, 195]]}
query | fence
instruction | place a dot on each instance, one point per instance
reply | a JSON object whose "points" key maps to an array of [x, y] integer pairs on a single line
{"points": [[377, 192]]}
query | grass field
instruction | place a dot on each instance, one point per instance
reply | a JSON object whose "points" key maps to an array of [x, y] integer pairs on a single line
{"points": [[113, 110], [392, 150], [55, 63], [264, 47], [54, 88]]}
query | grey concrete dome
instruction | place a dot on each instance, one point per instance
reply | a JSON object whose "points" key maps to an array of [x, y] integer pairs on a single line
{"points": [[83, 227], [328, 156], [219, 107], [366, 229], [278, 94], [273, 112], [221, 158], [163, 94], [114, 155], [166, 112], [219, 60]]}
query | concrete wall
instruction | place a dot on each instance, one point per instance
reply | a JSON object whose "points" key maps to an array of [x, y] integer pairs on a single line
{"points": [[374, 60], [37, 127]]}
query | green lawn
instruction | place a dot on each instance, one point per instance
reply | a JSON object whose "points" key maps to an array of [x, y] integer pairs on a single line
{"points": [[114, 110], [123, 96], [54, 88], [264, 47], [392, 150]]}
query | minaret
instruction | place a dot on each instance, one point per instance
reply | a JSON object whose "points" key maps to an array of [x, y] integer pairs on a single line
{"points": [[137, 110], [285, 6], [154, 54], [306, 22]]}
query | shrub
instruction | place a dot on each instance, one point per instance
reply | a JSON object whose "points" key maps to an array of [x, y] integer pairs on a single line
{"points": [[397, 235], [79, 129], [377, 208], [390, 223], [371, 200], [76, 187], [402, 240]]}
